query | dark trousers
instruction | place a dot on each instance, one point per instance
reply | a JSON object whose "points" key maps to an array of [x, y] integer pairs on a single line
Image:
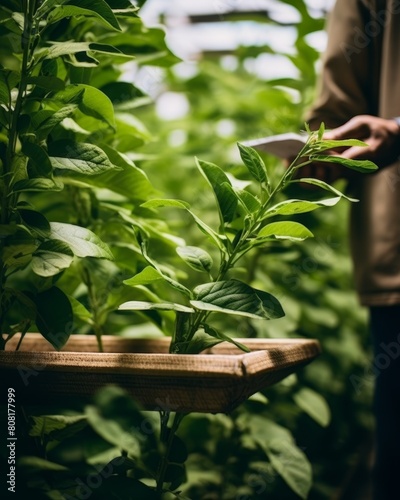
{"points": [[385, 329]]}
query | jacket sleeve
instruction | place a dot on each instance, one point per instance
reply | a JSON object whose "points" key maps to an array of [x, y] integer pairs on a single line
{"points": [[348, 84]]}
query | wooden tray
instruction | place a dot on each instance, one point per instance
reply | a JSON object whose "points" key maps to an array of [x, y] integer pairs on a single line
{"points": [[215, 381]]}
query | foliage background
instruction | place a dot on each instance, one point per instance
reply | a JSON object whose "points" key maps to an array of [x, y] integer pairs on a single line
{"points": [[326, 407]]}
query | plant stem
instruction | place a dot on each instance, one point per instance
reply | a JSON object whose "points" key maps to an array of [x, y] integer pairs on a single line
{"points": [[167, 437], [7, 202]]}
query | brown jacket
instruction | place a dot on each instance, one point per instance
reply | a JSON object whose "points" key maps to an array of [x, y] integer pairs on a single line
{"points": [[361, 75]]}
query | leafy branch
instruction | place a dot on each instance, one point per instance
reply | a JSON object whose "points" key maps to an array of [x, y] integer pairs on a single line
{"points": [[246, 221]]}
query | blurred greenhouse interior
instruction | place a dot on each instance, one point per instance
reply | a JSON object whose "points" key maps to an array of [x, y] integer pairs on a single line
{"points": [[163, 96]]}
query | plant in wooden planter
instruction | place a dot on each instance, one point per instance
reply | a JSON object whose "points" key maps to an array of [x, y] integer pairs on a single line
{"points": [[250, 217]]}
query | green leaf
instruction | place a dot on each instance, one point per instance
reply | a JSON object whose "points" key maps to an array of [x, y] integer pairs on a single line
{"points": [[364, 166], [290, 463], [36, 221], [43, 122], [197, 344], [82, 241], [37, 185], [160, 202], [285, 230], [58, 49], [137, 305], [51, 257], [18, 248], [235, 297], [53, 427], [175, 284], [221, 336], [322, 185], [113, 432], [331, 144], [147, 276], [249, 202], [254, 163], [217, 179], [39, 158], [196, 258], [8, 81], [83, 158], [285, 457], [314, 405], [47, 82], [291, 207], [54, 316], [127, 180], [86, 8], [92, 101]]}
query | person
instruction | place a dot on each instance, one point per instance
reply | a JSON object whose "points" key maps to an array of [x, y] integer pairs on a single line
{"points": [[359, 97]]}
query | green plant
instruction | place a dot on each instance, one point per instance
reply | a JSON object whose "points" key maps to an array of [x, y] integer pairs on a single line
{"points": [[249, 218], [65, 121]]}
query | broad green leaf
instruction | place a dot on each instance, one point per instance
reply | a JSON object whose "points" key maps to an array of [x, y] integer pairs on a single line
{"points": [[51, 257], [285, 230], [41, 161], [113, 432], [254, 163], [127, 180], [83, 158], [137, 305], [322, 185], [43, 122], [249, 201], [291, 464], [50, 427], [148, 275], [80, 310], [196, 258], [159, 203], [18, 248], [314, 405], [175, 284], [39, 184], [36, 221], [217, 179], [92, 101], [82, 241], [47, 82], [54, 316], [364, 166], [38, 464], [85, 9], [235, 297], [8, 80], [332, 144], [58, 49], [285, 457], [291, 207]]}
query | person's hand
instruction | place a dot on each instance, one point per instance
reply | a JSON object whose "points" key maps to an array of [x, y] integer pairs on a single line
{"points": [[382, 136]]}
